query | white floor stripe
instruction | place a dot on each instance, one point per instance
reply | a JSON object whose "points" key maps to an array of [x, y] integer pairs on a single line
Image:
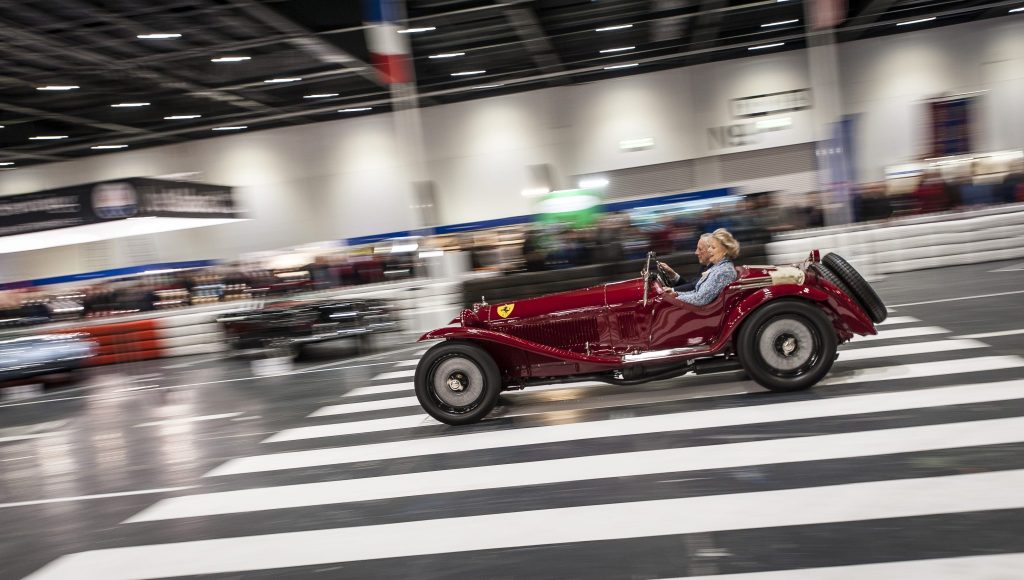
{"points": [[989, 567], [994, 334], [960, 298], [916, 370], [346, 408], [353, 428], [375, 389], [395, 375], [766, 509], [95, 496], [29, 436], [920, 370], [836, 407], [909, 349], [180, 420], [898, 320], [408, 363], [814, 448], [902, 333]]}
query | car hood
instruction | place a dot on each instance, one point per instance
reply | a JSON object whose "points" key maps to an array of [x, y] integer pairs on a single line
{"points": [[594, 296]]}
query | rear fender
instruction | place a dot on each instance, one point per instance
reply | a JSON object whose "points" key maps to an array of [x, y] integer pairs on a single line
{"points": [[847, 317]]}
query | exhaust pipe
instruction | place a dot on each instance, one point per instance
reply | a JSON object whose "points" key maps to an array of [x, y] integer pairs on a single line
{"points": [[716, 365]]}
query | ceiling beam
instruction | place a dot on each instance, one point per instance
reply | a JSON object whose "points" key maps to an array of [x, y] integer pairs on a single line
{"points": [[309, 42], [533, 37], [85, 55]]}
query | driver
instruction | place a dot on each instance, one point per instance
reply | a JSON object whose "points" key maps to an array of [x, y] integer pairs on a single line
{"points": [[677, 282], [718, 252]]}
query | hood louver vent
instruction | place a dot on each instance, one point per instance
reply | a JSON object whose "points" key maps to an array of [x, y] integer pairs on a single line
{"points": [[571, 334]]}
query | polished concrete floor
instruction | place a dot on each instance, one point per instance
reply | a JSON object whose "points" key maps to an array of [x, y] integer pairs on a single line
{"points": [[906, 462]]}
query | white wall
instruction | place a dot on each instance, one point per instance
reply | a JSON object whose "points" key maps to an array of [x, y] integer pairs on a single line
{"points": [[887, 79], [345, 178]]}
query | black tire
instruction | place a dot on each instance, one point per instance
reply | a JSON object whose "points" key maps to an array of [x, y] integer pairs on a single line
{"points": [[476, 374], [861, 290], [787, 345], [835, 280]]}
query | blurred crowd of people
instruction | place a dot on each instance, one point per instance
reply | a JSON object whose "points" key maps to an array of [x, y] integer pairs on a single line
{"points": [[935, 193], [612, 237]]}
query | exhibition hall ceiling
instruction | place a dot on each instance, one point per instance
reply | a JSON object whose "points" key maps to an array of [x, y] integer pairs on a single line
{"points": [[89, 77]]}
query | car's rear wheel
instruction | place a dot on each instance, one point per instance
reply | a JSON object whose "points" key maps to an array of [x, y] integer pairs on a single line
{"points": [[860, 290], [457, 383], [787, 345]]}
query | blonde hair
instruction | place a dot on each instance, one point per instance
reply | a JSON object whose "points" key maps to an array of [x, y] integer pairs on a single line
{"points": [[728, 243]]}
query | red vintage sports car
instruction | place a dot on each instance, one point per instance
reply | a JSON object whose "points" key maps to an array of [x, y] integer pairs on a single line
{"points": [[780, 324]]}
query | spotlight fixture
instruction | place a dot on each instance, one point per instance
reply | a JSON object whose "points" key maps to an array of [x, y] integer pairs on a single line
{"points": [[158, 36], [108, 147], [230, 58]]}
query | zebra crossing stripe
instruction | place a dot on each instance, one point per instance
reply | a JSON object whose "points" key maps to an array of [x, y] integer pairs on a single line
{"points": [[991, 567], [833, 407], [395, 375], [901, 333], [375, 389], [352, 428], [407, 363], [908, 349], [769, 452], [766, 509], [921, 370], [898, 320], [347, 408], [858, 376]]}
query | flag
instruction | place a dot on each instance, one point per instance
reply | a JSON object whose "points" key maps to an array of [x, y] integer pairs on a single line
{"points": [[389, 51]]}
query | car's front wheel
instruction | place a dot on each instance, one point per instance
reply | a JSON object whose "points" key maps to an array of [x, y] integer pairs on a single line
{"points": [[787, 345], [457, 382]]}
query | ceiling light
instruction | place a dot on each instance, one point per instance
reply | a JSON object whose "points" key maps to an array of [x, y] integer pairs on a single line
{"points": [[234, 128], [130, 105], [421, 29], [158, 36], [47, 137], [620, 49], [468, 73], [6, 163], [57, 88], [355, 110], [108, 147], [230, 58], [180, 117], [494, 86], [763, 46], [284, 80], [617, 27], [780, 23], [320, 96], [617, 66], [447, 55], [918, 21], [1021, 9]]}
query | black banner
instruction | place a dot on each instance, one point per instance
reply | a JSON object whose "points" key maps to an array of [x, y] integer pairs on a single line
{"points": [[113, 200]]}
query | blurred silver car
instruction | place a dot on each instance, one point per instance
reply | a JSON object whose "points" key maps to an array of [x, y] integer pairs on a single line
{"points": [[34, 356]]}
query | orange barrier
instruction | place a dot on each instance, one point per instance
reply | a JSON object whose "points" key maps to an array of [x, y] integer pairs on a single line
{"points": [[123, 341]]}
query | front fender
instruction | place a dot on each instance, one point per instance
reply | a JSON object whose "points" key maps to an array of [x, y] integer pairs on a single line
{"points": [[480, 334]]}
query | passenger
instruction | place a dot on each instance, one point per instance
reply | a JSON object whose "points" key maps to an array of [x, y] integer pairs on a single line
{"points": [[720, 249]]}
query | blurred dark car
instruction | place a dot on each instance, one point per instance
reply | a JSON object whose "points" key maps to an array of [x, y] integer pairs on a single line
{"points": [[48, 354], [288, 326]]}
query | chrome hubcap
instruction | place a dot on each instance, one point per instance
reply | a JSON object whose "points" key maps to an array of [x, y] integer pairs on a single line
{"points": [[455, 384]]}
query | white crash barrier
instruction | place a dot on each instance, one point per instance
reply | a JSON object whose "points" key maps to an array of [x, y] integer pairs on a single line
{"points": [[914, 243]]}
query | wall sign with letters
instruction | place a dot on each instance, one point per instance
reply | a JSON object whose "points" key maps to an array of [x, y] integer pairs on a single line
{"points": [[771, 104]]}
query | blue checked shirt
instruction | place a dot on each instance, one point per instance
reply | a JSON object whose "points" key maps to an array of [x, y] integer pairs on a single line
{"points": [[711, 284]]}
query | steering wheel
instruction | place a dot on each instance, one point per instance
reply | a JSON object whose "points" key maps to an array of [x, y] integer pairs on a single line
{"points": [[650, 273]]}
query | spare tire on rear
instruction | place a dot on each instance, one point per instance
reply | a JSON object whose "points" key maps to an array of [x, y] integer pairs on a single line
{"points": [[859, 288]]}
